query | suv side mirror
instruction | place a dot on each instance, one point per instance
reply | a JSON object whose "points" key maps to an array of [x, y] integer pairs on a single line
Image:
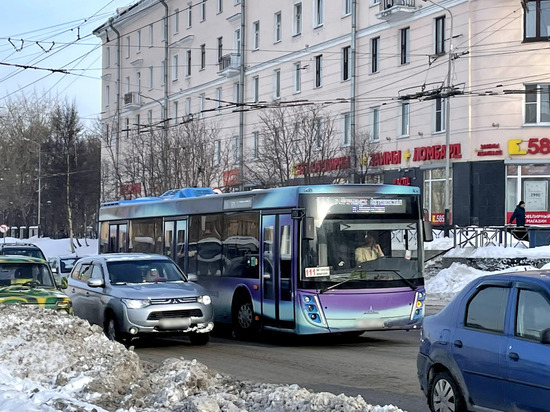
{"points": [[96, 283], [63, 283], [192, 277]]}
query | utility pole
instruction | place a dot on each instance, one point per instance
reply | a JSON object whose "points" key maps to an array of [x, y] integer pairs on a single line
{"points": [[353, 86]]}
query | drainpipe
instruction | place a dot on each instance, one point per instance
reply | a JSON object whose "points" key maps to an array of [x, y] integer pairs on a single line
{"points": [[353, 47], [241, 99], [117, 128]]}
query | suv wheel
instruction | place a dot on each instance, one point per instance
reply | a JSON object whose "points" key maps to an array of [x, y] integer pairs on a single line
{"points": [[199, 339], [444, 394], [111, 329]]}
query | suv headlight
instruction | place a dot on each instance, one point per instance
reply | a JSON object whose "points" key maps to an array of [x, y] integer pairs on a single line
{"points": [[136, 303], [205, 300]]}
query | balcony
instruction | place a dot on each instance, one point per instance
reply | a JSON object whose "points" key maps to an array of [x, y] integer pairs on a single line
{"points": [[131, 100], [230, 65], [395, 10]]}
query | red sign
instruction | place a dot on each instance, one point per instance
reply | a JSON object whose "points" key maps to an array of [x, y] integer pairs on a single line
{"points": [[439, 218], [402, 181], [325, 165], [231, 177], [489, 149], [129, 189], [386, 158], [533, 218], [437, 152]]}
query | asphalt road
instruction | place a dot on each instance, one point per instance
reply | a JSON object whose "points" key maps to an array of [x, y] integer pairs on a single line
{"points": [[379, 366]]}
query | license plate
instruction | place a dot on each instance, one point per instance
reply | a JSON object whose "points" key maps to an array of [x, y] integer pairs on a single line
{"points": [[180, 323]]}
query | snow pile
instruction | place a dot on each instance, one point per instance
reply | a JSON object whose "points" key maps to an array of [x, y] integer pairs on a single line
{"points": [[52, 361]]}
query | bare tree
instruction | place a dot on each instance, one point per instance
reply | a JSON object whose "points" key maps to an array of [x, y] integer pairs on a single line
{"points": [[365, 148]]}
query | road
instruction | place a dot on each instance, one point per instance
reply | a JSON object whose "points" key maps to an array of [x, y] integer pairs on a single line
{"points": [[379, 366]]}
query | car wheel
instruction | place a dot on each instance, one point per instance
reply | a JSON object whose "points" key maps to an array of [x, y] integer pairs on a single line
{"points": [[244, 324], [111, 330], [199, 339], [444, 394]]}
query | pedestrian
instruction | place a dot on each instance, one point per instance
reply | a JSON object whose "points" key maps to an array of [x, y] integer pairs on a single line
{"points": [[519, 214]]}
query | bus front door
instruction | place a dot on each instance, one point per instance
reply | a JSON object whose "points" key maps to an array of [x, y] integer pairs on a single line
{"points": [[277, 271], [175, 239]]}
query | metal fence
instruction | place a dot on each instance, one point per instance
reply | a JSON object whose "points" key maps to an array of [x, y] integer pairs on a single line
{"points": [[475, 236]]}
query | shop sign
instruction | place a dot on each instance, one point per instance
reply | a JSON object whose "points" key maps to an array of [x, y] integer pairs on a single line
{"points": [[533, 218], [439, 218], [489, 149], [532, 146], [386, 158], [437, 152], [231, 177], [325, 165], [402, 181]]}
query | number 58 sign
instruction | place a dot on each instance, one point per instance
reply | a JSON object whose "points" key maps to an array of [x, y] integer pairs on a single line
{"points": [[531, 146]]}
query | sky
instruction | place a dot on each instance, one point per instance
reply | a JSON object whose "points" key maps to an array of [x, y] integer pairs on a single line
{"points": [[57, 35], [55, 361]]}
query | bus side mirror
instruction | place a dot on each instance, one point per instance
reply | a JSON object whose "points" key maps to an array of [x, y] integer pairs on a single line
{"points": [[308, 228], [427, 231]]}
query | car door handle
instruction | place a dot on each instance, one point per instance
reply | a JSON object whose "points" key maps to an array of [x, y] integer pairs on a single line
{"points": [[458, 343], [513, 356]]}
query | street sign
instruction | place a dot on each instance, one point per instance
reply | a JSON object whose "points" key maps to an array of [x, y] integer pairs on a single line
{"points": [[3, 229]]}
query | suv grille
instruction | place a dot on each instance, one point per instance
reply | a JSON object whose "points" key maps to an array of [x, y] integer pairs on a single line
{"points": [[191, 313], [174, 301]]}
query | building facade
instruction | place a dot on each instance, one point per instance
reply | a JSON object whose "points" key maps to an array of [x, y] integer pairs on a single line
{"points": [[451, 96]]}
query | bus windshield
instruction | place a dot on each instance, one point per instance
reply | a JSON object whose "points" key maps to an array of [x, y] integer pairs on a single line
{"points": [[369, 248]]}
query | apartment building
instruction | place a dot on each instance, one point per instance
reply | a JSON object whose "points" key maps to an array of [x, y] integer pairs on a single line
{"points": [[452, 96]]}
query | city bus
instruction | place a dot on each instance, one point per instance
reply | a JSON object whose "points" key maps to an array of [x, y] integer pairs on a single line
{"points": [[286, 258]]}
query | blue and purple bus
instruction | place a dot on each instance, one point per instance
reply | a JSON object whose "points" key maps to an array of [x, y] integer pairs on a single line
{"points": [[286, 258]]}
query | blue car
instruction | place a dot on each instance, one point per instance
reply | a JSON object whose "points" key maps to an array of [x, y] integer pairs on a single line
{"points": [[489, 349]]}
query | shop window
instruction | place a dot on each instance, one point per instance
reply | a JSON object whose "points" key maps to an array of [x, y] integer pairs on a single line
{"points": [[434, 194]]}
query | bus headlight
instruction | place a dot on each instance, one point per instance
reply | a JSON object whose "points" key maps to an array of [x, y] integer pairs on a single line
{"points": [[136, 303], [205, 300]]}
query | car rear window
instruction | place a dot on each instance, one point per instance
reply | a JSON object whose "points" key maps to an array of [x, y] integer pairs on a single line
{"points": [[37, 253]]}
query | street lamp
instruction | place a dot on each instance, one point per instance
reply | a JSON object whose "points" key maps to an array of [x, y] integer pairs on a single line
{"points": [[447, 121], [39, 177]]}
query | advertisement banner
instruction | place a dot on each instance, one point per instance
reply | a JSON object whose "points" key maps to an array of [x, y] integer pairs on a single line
{"points": [[533, 218]]}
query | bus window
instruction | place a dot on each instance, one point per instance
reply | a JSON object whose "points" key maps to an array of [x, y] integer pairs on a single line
{"points": [[286, 260]]}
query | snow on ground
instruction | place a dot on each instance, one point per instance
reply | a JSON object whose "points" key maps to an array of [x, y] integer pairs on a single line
{"points": [[51, 361]]}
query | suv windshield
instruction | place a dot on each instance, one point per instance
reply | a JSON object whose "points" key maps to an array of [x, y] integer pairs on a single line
{"points": [[144, 271], [28, 274]]}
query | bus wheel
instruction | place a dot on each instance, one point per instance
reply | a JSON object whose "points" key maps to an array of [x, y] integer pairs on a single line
{"points": [[244, 324]]}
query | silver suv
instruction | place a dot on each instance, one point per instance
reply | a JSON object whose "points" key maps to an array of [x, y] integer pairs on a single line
{"points": [[135, 294]]}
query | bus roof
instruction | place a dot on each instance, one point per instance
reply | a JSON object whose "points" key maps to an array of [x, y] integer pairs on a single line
{"points": [[281, 197]]}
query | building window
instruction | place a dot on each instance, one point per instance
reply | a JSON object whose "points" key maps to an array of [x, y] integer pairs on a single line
{"points": [[536, 20], [434, 194], [188, 63], [297, 78], [219, 100], [297, 20], [530, 183], [219, 8], [236, 149], [174, 68], [220, 49], [162, 72], [375, 130], [203, 56], [127, 46], [318, 13], [175, 113], [346, 67], [347, 129], [107, 95], [405, 117], [374, 54], [318, 70], [256, 89], [255, 145], [256, 34], [439, 40], [176, 22], [203, 10], [138, 78], [139, 41], [150, 117], [151, 32], [277, 27], [236, 93], [188, 106], [439, 115], [107, 57], [347, 7], [537, 103], [128, 84], [217, 152], [404, 45], [237, 41], [276, 84], [202, 102], [189, 14]]}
